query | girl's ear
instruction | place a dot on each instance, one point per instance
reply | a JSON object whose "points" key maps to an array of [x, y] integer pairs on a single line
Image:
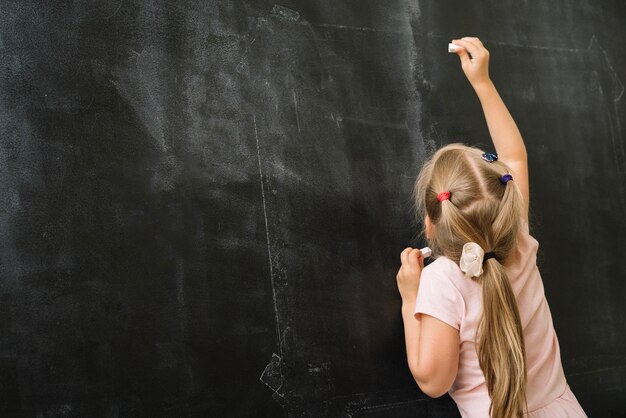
{"points": [[428, 226]]}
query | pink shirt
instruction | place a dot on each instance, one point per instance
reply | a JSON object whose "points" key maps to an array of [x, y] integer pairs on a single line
{"points": [[446, 294]]}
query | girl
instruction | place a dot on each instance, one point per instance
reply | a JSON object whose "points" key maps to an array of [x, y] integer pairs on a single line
{"points": [[476, 321]]}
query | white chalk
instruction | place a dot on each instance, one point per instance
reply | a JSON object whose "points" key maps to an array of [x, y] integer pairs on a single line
{"points": [[426, 252], [453, 48]]}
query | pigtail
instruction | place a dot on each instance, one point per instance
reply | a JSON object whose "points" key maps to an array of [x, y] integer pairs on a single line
{"points": [[501, 351]]}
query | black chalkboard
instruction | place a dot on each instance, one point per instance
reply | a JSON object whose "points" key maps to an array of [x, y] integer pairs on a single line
{"points": [[204, 202]]}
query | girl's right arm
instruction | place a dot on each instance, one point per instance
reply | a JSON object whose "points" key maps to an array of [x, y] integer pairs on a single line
{"points": [[504, 133]]}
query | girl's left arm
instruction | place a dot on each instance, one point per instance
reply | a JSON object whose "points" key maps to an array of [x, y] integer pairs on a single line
{"points": [[432, 346]]}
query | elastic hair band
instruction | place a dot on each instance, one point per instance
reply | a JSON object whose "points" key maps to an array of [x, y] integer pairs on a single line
{"points": [[489, 255], [490, 157], [443, 196], [506, 178]]}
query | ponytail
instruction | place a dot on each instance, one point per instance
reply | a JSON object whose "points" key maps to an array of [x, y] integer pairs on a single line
{"points": [[501, 344]]}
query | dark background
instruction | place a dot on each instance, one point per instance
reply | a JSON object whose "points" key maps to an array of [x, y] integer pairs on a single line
{"points": [[203, 203]]}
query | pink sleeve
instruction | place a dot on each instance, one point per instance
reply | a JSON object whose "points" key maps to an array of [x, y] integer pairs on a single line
{"points": [[439, 298]]}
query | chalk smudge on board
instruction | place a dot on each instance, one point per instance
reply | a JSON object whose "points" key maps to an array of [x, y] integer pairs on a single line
{"points": [[283, 12], [272, 376], [295, 103]]}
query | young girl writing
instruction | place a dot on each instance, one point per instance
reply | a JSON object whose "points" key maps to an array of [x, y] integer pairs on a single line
{"points": [[476, 321]]}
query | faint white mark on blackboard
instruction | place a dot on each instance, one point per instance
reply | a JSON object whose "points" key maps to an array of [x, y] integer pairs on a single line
{"points": [[370, 122], [242, 67], [319, 368], [538, 47], [285, 13], [439, 141], [57, 410], [598, 83], [116, 84], [357, 28], [137, 53], [116, 10], [155, 126], [279, 166], [267, 230], [378, 409], [618, 86], [295, 103], [272, 375], [604, 369], [336, 120], [617, 91]]}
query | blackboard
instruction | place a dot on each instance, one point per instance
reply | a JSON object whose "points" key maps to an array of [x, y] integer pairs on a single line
{"points": [[204, 202]]}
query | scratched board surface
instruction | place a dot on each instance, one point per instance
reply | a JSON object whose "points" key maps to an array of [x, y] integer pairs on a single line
{"points": [[204, 202]]}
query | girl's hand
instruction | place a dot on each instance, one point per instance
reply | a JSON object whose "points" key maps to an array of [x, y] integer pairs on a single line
{"points": [[408, 276], [476, 68]]}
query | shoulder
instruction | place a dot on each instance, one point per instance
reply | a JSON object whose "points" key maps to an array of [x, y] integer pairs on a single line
{"points": [[445, 275], [442, 268]]}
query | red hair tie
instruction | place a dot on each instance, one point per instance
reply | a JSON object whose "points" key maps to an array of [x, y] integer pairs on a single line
{"points": [[443, 196]]}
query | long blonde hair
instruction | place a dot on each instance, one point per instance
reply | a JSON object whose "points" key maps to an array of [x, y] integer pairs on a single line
{"points": [[482, 210]]}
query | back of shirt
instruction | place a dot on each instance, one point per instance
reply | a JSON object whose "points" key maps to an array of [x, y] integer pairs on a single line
{"points": [[445, 293]]}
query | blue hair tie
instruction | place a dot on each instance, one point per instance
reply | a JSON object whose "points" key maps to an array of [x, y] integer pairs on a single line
{"points": [[506, 178], [490, 157]]}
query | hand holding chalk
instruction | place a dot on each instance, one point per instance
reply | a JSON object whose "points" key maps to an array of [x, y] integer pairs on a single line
{"points": [[408, 276], [476, 67]]}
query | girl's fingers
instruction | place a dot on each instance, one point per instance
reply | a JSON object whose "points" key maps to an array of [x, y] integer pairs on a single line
{"points": [[463, 55], [479, 45], [414, 256], [474, 41], [471, 47], [404, 255]]}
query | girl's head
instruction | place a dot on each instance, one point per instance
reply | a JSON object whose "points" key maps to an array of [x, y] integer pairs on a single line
{"points": [[481, 209]]}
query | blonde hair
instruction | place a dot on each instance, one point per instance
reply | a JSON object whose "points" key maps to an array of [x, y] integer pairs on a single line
{"points": [[482, 210]]}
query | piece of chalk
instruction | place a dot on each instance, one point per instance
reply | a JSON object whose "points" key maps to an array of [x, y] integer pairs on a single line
{"points": [[453, 48], [426, 252]]}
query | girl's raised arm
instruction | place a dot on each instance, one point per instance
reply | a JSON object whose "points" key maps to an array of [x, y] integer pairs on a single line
{"points": [[504, 133]]}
